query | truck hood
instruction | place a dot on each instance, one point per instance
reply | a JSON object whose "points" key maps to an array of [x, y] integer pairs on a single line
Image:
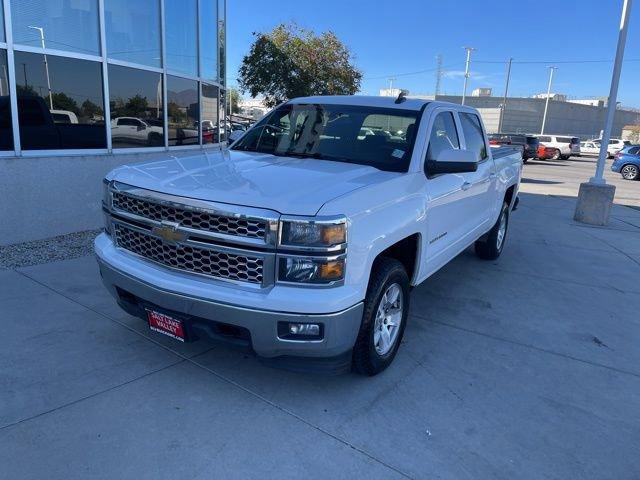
{"points": [[284, 184]]}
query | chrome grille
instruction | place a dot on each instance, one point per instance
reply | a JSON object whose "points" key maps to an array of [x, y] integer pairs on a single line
{"points": [[190, 218], [191, 259]]}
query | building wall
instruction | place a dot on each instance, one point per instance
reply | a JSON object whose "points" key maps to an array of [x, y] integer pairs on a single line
{"points": [[525, 115], [43, 197], [87, 86]]}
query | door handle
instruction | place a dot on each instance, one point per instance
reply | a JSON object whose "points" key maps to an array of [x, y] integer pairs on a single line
{"points": [[466, 186], [492, 176]]}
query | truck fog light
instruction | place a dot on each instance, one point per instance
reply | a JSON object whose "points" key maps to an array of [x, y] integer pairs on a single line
{"points": [[300, 331]]}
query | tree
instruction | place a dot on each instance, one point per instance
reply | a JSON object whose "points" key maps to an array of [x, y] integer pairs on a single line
{"points": [[91, 110], [292, 62], [62, 101], [234, 100]]}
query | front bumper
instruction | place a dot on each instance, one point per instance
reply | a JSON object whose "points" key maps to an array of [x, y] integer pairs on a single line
{"points": [[206, 316]]}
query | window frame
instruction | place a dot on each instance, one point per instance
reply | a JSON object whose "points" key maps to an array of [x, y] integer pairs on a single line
{"points": [[103, 59], [434, 114], [484, 135]]}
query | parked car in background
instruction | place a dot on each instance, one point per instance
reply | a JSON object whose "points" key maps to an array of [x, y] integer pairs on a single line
{"points": [[302, 240], [529, 143], [627, 162], [589, 148], [134, 130], [64, 116], [548, 153], [567, 146], [615, 145]]}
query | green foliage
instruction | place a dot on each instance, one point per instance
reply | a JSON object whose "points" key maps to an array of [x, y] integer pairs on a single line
{"points": [[234, 100], [62, 101], [291, 62]]}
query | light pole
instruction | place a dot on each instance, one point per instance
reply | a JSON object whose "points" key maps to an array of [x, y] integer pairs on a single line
{"points": [[46, 64], [391, 80], [546, 103], [466, 72], [595, 197], [504, 98]]}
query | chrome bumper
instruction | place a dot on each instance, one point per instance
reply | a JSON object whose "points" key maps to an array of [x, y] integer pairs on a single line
{"points": [[340, 328]]}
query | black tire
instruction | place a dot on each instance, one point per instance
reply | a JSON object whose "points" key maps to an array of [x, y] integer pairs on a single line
{"points": [[630, 172], [556, 155], [525, 160], [489, 247], [385, 272]]}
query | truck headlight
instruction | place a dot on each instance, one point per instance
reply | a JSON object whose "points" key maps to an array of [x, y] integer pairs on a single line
{"points": [[310, 270], [314, 233]]}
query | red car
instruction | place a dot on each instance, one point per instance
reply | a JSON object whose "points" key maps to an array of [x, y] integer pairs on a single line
{"points": [[548, 153]]}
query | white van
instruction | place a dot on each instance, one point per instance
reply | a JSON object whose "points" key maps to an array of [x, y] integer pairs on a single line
{"points": [[615, 145]]}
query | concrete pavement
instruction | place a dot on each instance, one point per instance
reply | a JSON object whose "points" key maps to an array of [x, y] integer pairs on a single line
{"points": [[527, 367]]}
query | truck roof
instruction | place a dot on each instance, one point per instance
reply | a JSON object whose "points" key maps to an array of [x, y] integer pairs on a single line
{"points": [[365, 101]]}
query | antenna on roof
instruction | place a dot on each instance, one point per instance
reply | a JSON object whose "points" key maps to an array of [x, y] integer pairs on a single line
{"points": [[402, 96]]}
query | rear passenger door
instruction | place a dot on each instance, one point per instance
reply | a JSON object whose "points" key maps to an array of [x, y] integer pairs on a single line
{"points": [[479, 186]]}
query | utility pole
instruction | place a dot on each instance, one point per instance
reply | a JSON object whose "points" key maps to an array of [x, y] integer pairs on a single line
{"points": [[391, 80], [466, 72], [438, 74], [46, 64], [546, 103], [506, 93], [595, 197]]}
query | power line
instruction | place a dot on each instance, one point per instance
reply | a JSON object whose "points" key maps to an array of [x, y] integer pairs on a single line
{"points": [[501, 62]]}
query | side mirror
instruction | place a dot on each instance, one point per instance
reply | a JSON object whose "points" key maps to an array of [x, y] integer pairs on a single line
{"points": [[142, 127], [452, 161], [235, 135]]}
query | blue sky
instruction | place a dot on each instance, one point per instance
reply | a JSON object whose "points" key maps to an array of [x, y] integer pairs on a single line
{"points": [[394, 38]]}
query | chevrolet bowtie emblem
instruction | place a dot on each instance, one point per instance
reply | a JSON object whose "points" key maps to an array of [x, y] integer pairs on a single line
{"points": [[169, 232]]}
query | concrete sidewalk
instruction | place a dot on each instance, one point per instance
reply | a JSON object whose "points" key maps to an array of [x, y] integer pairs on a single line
{"points": [[527, 368]]}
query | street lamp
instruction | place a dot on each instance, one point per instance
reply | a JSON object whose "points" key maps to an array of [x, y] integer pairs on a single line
{"points": [[46, 63], [467, 74], [546, 103], [595, 197]]}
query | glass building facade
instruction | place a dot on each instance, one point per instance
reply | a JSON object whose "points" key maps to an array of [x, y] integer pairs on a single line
{"points": [[102, 76]]}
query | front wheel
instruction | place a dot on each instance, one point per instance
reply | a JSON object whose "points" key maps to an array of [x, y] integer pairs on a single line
{"points": [[630, 172], [386, 308], [556, 155], [490, 247]]}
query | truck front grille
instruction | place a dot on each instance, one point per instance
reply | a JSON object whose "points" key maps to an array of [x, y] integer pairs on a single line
{"points": [[203, 261], [190, 217]]}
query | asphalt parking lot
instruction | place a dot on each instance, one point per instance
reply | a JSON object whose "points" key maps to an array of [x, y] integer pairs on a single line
{"points": [[563, 177], [527, 368]]}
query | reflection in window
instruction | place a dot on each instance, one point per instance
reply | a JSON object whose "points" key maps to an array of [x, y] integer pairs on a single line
{"points": [[70, 114], [59, 24], [224, 127], [222, 41], [2, 37], [182, 109], [133, 31], [6, 130], [209, 107], [136, 107], [473, 134], [182, 43], [208, 40]]}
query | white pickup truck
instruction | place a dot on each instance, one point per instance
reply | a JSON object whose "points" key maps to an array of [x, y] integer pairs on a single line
{"points": [[303, 239]]}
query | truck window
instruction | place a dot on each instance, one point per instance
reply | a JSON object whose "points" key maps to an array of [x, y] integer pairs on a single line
{"points": [[473, 134], [380, 137], [444, 135]]}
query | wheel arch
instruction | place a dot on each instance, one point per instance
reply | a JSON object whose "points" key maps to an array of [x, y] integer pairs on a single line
{"points": [[407, 251]]}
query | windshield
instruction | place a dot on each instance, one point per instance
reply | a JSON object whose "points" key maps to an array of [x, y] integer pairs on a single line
{"points": [[380, 137]]}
